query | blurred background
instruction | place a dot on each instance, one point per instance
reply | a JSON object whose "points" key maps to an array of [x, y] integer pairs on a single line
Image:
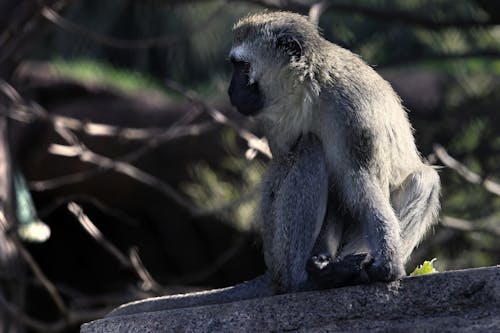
{"points": [[125, 173]]}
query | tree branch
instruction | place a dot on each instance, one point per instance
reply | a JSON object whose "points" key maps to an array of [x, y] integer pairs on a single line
{"points": [[123, 165], [485, 53], [25, 111], [254, 142], [470, 226], [462, 170], [143, 43], [37, 271], [132, 262], [402, 17]]}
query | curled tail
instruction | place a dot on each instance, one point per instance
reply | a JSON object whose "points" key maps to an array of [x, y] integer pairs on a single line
{"points": [[416, 203]]}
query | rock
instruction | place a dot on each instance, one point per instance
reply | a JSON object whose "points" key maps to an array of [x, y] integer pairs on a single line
{"points": [[455, 301]]}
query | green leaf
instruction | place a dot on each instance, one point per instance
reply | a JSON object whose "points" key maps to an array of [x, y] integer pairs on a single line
{"points": [[426, 268]]}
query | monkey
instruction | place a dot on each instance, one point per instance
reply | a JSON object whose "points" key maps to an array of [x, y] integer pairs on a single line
{"points": [[347, 195]]}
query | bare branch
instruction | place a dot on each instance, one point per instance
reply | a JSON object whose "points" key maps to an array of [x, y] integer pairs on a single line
{"points": [[112, 212], [259, 144], [88, 156], [96, 234], [142, 43], [48, 285], [469, 226], [78, 149], [49, 184], [386, 15], [480, 53], [29, 111], [68, 151], [19, 34], [148, 283], [133, 262], [37, 271], [405, 17], [122, 165], [317, 10], [462, 170]]}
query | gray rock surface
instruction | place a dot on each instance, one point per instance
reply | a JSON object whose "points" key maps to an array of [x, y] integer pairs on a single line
{"points": [[457, 301]]}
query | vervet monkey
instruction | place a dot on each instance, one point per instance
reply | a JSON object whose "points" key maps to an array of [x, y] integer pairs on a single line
{"points": [[347, 196]]}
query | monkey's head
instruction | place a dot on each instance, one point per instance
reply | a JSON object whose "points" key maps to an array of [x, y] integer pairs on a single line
{"points": [[272, 55]]}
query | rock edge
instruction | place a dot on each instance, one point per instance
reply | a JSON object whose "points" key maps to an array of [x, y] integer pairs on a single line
{"points": [[455, 301]]}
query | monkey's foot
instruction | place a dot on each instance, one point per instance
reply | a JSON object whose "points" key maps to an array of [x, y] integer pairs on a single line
{"points": [[351, 270], [385, 271]]}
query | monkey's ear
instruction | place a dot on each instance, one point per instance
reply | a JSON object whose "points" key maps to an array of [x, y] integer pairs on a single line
{"points": [[290, 46]]}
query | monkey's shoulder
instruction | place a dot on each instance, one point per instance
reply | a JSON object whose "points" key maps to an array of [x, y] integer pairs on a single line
{"points": [[347, 73]]}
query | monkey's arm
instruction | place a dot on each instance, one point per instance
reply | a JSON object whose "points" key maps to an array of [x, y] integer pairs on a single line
{"points": [[258, 287], [293, 211]]}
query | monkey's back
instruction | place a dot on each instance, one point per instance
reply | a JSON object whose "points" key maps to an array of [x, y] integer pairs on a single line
{"points": [[362, 117]]}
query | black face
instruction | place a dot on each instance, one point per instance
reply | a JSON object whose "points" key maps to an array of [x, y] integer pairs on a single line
{"points": [[246, 97]]}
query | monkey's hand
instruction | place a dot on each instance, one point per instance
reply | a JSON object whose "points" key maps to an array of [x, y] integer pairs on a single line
{"points": [[385, 270], [351, 270]]}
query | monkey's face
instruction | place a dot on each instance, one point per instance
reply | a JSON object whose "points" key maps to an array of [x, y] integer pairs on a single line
{"points": [[271, 63], [261, 77], [244, 92]]}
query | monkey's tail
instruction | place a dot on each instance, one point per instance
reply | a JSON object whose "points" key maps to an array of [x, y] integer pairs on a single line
{"points": [[258, 287], [417, 207]]}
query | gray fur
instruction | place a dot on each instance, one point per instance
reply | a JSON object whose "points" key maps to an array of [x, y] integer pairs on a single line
{"points": [[258, 287], [291, 223], [346, 176]]}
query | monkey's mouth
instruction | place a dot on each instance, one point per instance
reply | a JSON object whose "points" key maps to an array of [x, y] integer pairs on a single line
{"points": [[245, 109], [247, 101]]}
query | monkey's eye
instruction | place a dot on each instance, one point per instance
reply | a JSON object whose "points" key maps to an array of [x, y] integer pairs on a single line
{"points": [[241, 65]]}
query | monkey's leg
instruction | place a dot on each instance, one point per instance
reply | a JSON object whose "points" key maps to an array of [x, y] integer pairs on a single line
{"points": [[347, 263], [416, 203], [258, 287], [330, 235], [369, 204], [297, 202]]}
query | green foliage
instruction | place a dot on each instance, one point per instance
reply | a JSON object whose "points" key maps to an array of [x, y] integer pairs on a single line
{"points": [[229, 188], [426, 268], [215, 189], [94, 71], [470, 139]]}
